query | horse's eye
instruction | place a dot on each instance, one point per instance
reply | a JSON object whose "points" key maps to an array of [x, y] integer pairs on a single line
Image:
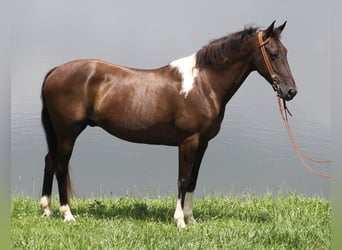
{"points": [[273, 56]]}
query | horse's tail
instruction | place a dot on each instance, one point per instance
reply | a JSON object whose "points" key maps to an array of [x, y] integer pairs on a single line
{"points": [[49, 130], [50, 133]]}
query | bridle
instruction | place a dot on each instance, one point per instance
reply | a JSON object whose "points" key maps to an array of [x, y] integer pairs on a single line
{"points": [[275, 80], [284, 110]]}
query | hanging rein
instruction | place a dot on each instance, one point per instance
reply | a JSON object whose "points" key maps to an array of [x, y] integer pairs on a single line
{"points": [[284, 111]]}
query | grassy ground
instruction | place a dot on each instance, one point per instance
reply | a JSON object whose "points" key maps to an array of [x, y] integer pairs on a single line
{"points": [[285, 222]]}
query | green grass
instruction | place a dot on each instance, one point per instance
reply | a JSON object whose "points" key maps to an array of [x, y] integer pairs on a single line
{"points": [[286, 222]]}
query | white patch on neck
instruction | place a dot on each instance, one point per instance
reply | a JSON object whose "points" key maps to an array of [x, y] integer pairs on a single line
{"points": [[187, 68]]}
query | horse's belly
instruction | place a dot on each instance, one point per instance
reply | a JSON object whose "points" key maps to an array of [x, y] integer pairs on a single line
{"points": [[160, 134], [141, 119]]}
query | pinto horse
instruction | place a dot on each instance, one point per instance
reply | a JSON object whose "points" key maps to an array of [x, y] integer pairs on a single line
{"points": [[181, 104]]}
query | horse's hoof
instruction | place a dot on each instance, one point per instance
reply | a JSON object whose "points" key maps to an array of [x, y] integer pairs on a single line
{"points": [[47, 212], [69, 217], [191, 220], [45, 204], [181, 224], [65, 211]]}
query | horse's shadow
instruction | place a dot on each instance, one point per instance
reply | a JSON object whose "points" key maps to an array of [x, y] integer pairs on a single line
{"points": [[136, 210], [140, 210]]}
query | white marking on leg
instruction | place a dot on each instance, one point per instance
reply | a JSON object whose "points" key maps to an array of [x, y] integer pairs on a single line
{"points": [[187, 68], [65, 211], [45, 204], [179, 215], [188, 214]]}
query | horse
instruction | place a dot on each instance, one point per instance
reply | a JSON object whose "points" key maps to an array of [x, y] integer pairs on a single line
{"points": [[180, 104]]}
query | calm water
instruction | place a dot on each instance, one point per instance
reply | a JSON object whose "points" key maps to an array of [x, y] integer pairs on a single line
{"points": [[251, 152]]}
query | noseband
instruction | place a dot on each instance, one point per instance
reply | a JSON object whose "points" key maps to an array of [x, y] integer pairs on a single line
{"points": [[275, 81]]}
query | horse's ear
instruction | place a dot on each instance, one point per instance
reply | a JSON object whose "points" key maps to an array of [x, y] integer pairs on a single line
{"points": [[268, 32], [279, 29]]}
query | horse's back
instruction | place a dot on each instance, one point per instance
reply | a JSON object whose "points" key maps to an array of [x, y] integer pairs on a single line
{"points": [[80, 81], [129, 103]]}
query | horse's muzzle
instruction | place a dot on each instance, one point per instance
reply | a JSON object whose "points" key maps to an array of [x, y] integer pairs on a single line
{"points": [[290, 94]]}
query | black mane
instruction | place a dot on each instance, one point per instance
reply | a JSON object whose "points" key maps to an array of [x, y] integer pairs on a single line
{"points": [[215, 53]]}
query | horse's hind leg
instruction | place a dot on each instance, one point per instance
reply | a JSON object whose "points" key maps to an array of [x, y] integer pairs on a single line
{"points": [[64, 150], [49, 170], [65, 144]]}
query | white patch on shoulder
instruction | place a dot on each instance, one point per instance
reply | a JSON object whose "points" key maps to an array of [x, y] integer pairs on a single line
{"points": [[187, 68]]}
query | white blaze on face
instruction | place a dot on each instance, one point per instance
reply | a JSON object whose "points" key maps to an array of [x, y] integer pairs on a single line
{"points": [[187, 68]]}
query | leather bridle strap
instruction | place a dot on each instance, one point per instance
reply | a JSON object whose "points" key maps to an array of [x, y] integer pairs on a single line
{"points": [[273, 75]]}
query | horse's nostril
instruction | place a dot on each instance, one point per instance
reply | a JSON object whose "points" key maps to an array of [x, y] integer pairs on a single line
{"points": [[292, 92]]}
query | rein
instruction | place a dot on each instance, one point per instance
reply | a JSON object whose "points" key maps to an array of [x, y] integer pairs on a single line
{"points": [[299, 152], [284, 111]]}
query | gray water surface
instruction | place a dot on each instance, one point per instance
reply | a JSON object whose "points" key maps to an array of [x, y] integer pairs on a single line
{"points": [[251, 152]]}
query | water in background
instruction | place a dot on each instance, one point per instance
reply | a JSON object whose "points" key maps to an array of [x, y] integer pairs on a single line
{"points": [[251, 152]]}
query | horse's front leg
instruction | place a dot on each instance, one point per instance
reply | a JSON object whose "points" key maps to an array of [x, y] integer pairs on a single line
{"points": [[188, 214], [186, 154]]}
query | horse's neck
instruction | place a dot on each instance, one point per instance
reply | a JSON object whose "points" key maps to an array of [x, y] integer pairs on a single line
{"points": [[226, 82]]}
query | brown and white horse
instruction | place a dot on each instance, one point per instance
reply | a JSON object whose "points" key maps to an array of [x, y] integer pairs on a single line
{"points": [[181, 104]]}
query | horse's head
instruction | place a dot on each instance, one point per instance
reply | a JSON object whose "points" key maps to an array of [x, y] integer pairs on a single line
{"points": [[270, 60]]}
